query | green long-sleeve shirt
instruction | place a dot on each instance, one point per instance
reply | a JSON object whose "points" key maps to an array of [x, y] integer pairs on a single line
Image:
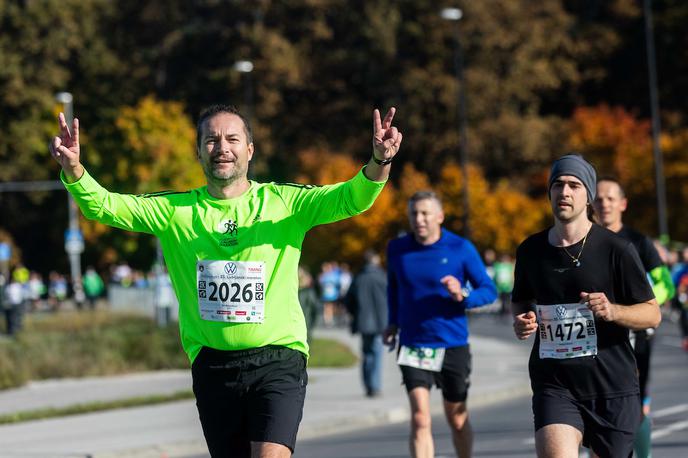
{"points": [[258, 234]]}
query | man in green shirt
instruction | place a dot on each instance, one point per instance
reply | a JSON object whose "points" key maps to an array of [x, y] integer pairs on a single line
{"points": [[232, 248], [93, 286]]}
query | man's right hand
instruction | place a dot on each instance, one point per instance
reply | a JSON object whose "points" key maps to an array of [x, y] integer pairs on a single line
{"points": [[389, 336], [65, 149], [525, 324]]}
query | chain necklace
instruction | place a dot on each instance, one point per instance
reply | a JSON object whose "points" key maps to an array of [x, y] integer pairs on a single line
{"points": [[575, 259]]}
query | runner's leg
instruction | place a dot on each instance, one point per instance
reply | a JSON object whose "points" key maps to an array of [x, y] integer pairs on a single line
{"points": [[269, 450], [421, 443], [643, 351], [557, 441], [462, 433]]}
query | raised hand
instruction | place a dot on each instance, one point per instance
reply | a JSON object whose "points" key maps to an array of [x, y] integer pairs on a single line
{"points": [[65, 148], [386, 138]]}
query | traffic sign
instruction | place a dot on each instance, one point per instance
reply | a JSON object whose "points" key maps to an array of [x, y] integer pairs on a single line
{"points": [[74, 241], [5, 251]]}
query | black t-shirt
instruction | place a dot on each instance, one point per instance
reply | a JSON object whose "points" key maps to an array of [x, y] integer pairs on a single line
{"points": [[646, 249], [546, 275]]}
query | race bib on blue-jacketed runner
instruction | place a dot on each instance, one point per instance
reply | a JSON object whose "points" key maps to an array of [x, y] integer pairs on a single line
{"points": [[566, 331], [231, 291], [429, 359]]}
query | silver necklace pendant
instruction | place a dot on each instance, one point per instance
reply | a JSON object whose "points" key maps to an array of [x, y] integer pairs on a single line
{"points": [[576, 262]]}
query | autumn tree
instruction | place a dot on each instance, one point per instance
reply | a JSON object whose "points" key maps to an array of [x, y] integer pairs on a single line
{"points": [[156, 152], [346, 240]]}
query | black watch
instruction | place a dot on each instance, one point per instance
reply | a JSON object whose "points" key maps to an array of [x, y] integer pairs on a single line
{"points": [[383, 161]]}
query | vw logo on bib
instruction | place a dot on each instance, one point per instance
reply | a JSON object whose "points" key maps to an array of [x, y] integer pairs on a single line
{"points": [[230, 268], [561, 312]]}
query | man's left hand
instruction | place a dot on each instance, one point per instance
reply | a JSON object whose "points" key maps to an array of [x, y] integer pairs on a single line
{"points": [[600, 305], [453, 286], [386, 138]]}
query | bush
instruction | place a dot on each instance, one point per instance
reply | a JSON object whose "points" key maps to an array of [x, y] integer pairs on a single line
{"points": [[96, 343], [87, 343]]}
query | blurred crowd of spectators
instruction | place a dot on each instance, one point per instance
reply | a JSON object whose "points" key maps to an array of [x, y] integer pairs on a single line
{"points": [[322, 296]]}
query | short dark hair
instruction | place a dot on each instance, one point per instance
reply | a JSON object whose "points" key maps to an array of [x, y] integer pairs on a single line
{"points": [[211, 111], [612, 179]]}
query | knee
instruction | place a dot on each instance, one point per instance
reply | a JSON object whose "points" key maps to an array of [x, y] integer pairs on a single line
{"points": [[458, 421], [420, 421]]}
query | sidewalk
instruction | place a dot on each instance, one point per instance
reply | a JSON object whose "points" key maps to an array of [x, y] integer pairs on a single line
{"points": [[335, 400]]}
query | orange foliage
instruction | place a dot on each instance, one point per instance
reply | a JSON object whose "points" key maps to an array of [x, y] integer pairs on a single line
{"points": [[500, 217], [621, 145], [345, 240], [616, 143]]}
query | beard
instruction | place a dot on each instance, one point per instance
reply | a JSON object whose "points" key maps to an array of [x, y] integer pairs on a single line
{"points": [[217, 175]]}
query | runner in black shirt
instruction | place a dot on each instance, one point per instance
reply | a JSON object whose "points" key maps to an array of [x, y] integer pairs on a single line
{"points": [[610, 204], [579, 288]]}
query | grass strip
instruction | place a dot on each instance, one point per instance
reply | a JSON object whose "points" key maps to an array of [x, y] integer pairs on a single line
{"points": [[96, 406]]}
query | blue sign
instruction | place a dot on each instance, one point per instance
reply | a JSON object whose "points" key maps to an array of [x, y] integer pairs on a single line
{"points": [[74, 241], [5, 252], [72, 235]]}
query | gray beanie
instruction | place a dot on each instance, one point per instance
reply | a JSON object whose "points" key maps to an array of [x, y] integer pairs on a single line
{"points": [[575, 165]]}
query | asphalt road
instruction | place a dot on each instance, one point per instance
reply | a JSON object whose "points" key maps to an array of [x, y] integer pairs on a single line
{"points": [[506, 430]]}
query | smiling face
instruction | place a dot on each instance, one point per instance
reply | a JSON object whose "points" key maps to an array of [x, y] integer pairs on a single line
{"points": [[568, 198], [426, 218], [224, 150], [610, 203]]}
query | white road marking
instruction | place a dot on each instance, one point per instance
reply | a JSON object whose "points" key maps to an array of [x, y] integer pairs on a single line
{"points": [[670, 429], [669, 411]]}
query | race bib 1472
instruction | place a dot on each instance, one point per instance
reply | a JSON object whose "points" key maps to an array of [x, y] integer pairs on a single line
{"points": [[566, 331]]}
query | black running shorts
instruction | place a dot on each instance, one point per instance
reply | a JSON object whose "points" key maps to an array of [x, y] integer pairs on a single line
{"points": [[454, 378], [249, 396], [608, 424]]}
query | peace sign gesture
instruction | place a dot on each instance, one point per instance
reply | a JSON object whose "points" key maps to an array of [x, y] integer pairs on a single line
{"points": [[65, 148], [386, 138]]}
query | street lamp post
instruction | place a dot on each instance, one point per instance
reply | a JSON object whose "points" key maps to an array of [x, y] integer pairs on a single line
{"points": [[74, 240], [245, 67], [656, 128], [455, 15]]}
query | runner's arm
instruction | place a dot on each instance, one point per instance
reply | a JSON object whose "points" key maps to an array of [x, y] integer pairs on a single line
{"points": [[389, 335], [638, 316], [484, 291], [521, 307], [392, 292], [124, 211]]}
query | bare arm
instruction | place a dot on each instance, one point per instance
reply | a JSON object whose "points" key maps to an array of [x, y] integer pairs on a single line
{"points": [[386, 143], [518, 308], [636, 316]]}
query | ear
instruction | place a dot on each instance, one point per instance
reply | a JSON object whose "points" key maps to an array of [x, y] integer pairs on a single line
{"points": [[440, 217], [250, 151], [624, 204]]}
